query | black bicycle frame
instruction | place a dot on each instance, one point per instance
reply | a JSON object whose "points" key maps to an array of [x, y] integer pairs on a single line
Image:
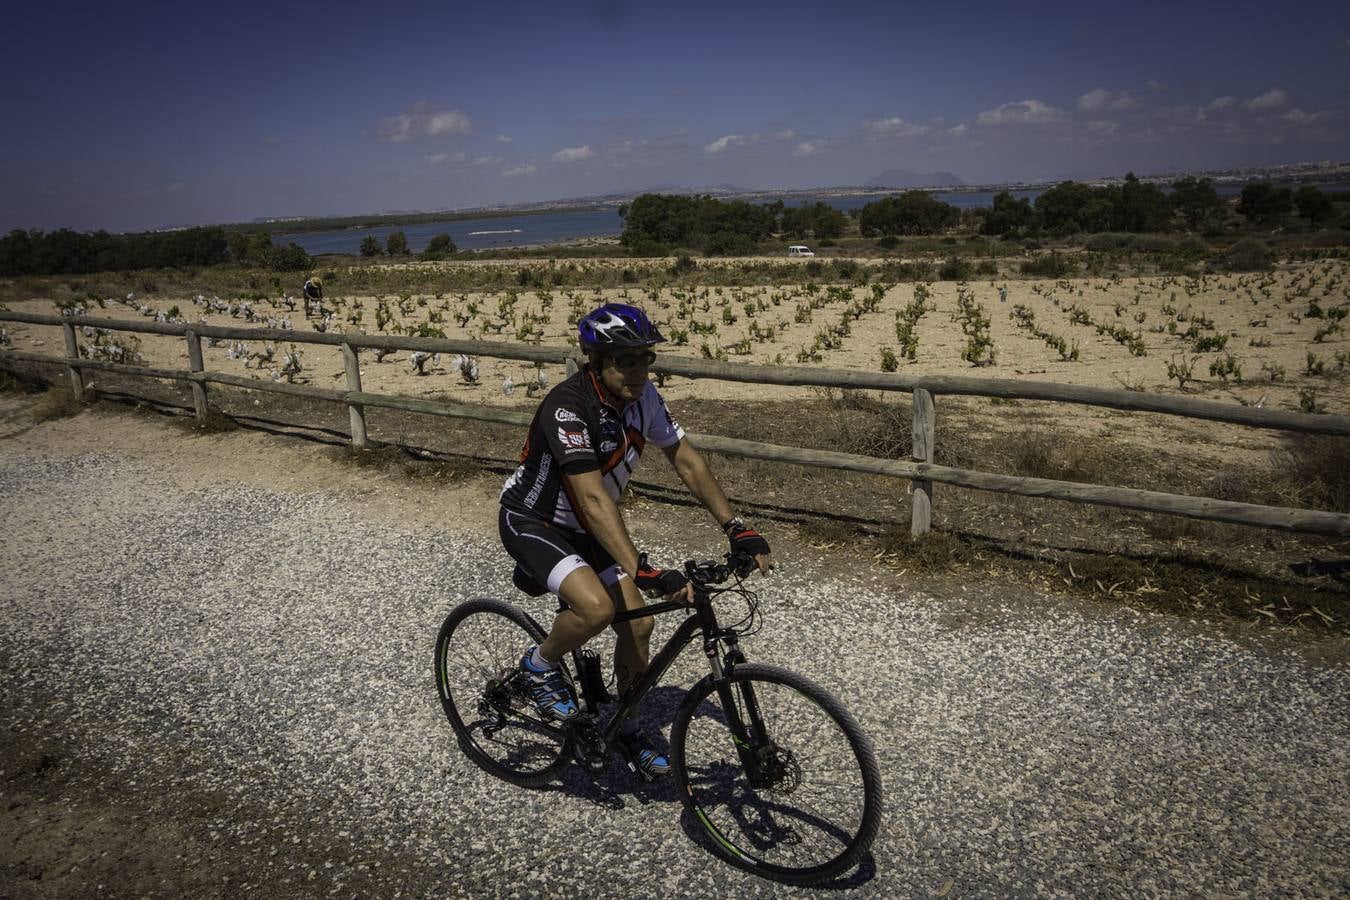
{"points": [[705, 621]]}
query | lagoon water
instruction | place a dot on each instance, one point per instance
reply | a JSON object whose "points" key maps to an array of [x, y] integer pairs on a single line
{"points": [[550, 228], [556, 228]]}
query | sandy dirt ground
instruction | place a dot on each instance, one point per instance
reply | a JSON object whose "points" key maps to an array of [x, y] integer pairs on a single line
{"points": [[1277, 329]]}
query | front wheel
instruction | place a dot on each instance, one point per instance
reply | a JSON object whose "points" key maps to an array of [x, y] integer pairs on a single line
{"points": [[777, 772], [478, 676]]}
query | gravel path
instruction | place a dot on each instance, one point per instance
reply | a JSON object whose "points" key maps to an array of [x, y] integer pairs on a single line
{"points": [[242, 678]]}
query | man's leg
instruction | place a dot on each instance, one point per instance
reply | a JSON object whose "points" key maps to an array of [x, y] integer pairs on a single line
{"points": [[633, 646], [589, 610], [632, 652]]}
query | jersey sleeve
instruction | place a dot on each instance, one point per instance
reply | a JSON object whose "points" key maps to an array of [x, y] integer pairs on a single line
{"points": [[660, 426], [569, 438]]}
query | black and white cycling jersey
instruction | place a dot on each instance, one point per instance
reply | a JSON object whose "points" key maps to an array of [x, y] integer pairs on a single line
{"points": [[576, 430]]}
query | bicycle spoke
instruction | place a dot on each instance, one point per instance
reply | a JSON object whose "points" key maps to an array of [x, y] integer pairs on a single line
{"points": [[804, 802], [498, 728]]}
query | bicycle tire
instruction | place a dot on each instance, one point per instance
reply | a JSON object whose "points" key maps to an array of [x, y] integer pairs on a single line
{"points": [[477, 651], [748, 824]]}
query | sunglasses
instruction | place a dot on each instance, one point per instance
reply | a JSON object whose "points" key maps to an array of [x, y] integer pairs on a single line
{"points": [[631, 360]]}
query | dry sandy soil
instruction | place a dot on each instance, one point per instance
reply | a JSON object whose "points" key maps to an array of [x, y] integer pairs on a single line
{"points": [[1263, 316]]}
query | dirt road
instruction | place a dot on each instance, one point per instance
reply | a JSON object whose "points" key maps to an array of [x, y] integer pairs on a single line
{"points": [[215, 656]]}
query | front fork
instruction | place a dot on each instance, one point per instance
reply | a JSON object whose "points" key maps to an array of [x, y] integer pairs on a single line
{"points": [[739, 703]]}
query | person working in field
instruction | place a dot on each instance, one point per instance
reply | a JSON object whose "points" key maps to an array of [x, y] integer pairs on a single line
{"points": [[313, 291], [560, 518]]}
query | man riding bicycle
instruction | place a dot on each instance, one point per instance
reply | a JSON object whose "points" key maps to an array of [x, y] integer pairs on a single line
{"points": [[560, 519]]}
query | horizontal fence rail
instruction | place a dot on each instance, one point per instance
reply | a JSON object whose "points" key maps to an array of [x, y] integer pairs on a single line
{"points": [[920, 470]]}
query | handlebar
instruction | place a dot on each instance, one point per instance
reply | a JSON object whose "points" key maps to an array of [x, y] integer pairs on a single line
{"points": [[710, 572]]}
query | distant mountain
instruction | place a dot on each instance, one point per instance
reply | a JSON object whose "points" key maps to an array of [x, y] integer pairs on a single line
{"points": [[903, 178]]}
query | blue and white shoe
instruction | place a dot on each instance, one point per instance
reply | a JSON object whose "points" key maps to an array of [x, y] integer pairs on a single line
{"points": [[548, 689], [638, 749]]}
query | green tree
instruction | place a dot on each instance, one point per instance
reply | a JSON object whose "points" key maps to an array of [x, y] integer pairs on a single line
{"points": [[1070, 207], [913, 212], [1141, 206], [1265, 205], [1312, 204], [396, 244], [1009, 215], [439, 247], [1199, 204], [819, 220], [370, 246]]}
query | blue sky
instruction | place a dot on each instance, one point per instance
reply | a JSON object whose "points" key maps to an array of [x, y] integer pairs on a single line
{"points": [[144, 115]]}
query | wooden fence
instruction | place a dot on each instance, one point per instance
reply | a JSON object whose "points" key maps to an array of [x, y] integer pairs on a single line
{"points": [[919, 470]]}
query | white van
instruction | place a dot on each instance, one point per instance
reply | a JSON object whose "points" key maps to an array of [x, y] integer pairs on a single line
{"points": [[800, 250]]}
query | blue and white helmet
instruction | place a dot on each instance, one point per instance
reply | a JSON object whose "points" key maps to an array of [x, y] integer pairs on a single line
{"points": [[617, 326]]}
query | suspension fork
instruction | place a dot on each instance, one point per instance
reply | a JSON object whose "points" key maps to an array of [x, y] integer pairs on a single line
{"points": [[739, 703]]}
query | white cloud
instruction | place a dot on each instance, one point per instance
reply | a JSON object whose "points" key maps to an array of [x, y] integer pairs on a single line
{"points": [[728, 141], [503, 138], [423, 120], [522, 169], [574, 154], [722, 143], [1023, 112], [1156, 86], [958, 131], [449, 122], [486, 160], [1221, 103], [437, 159], [1103, 129], [1271, 99], [1298, 117], [1101, 99], [892, 127], [809, 148]]}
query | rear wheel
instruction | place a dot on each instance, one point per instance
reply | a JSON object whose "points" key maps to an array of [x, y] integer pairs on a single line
{"points": [[779, 775], [478, 676]]}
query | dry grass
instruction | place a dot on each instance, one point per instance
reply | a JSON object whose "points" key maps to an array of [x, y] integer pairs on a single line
{"points": [[57, 402], [215, 422], [392, 459]]}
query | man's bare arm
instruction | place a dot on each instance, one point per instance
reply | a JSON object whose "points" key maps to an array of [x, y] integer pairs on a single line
{"points": [[602, 519], [694, 472]]}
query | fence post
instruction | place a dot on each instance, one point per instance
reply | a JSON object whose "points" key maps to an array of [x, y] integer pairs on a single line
{"points": [[921, 490], [73, 351], [355, 410], [194, 347]]}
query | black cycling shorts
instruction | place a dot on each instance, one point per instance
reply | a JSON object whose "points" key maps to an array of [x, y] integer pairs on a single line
{"points": [[547, 554]]}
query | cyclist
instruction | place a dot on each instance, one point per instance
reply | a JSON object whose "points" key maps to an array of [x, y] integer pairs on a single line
{"points": [[560, 518]]}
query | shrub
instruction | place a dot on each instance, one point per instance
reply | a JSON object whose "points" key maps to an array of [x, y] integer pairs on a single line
{"points": [[1053, 265], [648, 247], [846, 268], [683, 266], [814, 268], [1247, 255], [439, 247], [889, 242], [956, 268]]}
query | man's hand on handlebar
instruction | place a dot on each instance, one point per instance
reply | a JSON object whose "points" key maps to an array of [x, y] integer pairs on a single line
{"points": [[670, 584], [746, 540]]}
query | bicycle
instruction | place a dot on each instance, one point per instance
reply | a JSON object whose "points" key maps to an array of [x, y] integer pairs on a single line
{"points": [[748, 743]]}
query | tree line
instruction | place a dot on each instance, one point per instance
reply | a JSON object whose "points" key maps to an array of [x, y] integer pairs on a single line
{"points": [[1193, 204], [654, 224], [67, 252]]}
